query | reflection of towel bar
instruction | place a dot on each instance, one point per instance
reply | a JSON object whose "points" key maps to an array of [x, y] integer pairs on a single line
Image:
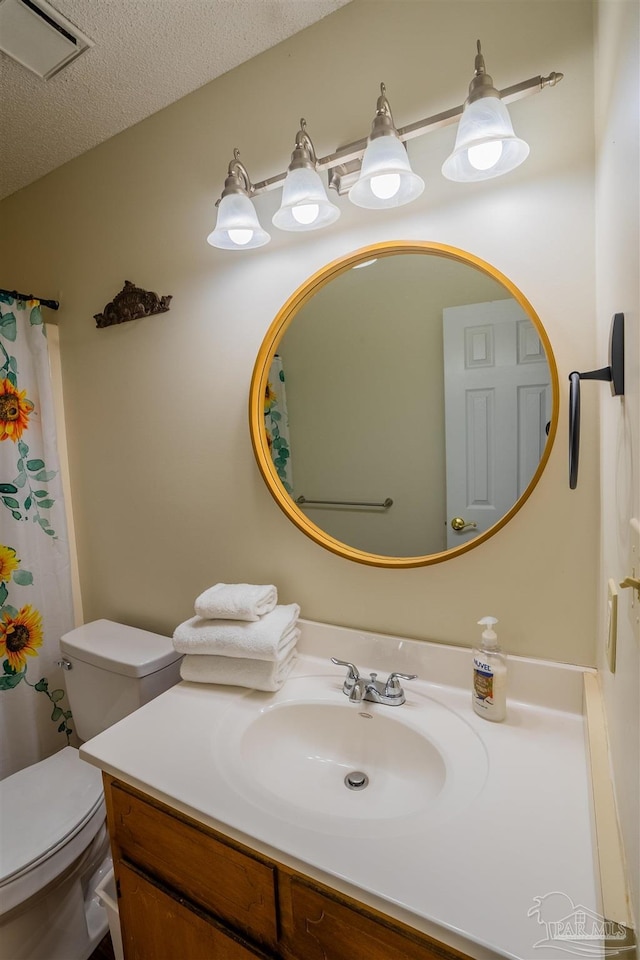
{"points": [[348, 503]]}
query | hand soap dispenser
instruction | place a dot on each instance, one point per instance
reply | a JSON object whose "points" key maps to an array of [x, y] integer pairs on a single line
{"points": [[489, 674]]}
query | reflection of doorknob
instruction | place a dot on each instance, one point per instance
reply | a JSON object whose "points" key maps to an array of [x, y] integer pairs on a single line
{"points": [[633, 582], [459, 524]]}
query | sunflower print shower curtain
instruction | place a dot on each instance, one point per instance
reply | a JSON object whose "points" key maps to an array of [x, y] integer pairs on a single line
{"points": [[36, 605], [276, 423]]}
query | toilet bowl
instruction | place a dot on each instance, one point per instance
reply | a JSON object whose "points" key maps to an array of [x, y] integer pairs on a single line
{"points": [[56, 843], [55, 847]]}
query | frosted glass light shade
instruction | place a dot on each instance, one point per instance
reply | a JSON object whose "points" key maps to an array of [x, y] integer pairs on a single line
{"points": [[237, 226], [305, 205], [386, 178], [486, 145]]}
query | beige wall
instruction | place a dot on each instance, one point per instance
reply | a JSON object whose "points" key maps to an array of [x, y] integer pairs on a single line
{"points": [[617, 50], [167, 496]]}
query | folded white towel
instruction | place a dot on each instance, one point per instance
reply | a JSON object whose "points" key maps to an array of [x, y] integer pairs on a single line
{"points": [[236, 601], [236, 672], [268, 638]]}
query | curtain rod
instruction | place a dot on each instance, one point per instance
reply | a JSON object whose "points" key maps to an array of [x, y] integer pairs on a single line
{"points": [[52, 304]]}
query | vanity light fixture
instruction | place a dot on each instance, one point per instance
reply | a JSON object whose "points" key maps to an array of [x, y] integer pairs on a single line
{"points": [[486, 145], [386, 178], [305, 204], [237, 226], [375, 172]]}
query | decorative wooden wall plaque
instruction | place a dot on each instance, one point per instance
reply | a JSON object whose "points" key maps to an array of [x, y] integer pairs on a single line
{"points": [[130, 304]]}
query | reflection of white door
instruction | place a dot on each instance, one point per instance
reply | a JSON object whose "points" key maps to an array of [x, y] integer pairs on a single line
{"points": [[497, 405]]}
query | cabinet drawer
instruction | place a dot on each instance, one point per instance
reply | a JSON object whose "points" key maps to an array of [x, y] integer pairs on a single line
{"points": [[324, 927], [158, 926], [233, 885]]}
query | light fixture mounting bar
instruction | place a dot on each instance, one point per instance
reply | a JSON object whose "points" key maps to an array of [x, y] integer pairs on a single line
{"points": [[344, 164], [509, 95]]}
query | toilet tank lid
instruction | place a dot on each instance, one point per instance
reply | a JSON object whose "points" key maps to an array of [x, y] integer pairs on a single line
{"points": [[119, 648]]}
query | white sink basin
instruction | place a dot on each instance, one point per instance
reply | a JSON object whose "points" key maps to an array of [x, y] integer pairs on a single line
{"points": [[302, 752], [289, 753]]}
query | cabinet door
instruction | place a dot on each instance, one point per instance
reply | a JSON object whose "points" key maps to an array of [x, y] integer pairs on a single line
{"points": [[157, 926], [325, 929], [237, 888]]}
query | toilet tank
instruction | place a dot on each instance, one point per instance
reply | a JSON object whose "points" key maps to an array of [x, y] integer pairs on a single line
{"points": [[114, 669]]}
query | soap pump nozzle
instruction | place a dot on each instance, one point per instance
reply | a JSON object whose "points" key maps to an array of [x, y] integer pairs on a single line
{"points": [[489, 635]]}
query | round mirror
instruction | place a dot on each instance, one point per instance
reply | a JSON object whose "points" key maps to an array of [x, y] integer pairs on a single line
{"points": [[403, 404]]}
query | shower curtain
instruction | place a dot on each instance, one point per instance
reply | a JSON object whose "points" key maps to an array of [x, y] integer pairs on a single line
{"points": [[36, 605], [276, 423]]}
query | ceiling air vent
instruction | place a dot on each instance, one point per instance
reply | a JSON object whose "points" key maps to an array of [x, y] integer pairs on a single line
{"points": [[38, 37]]}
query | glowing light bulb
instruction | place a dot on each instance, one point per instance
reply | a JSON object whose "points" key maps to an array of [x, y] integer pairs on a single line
{"points": [[306, 212], [241, 237], [385, 185], [485, 155]]}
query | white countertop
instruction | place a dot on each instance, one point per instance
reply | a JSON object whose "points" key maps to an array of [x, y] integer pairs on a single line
{"points": [[469, 879]]}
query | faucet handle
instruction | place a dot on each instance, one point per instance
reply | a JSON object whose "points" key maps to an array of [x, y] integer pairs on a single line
{"points": [[352, 674], [393, 687]]}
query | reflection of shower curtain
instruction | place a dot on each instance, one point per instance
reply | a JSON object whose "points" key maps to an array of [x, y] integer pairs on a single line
{"points": [[276, 423], [35, 583]]}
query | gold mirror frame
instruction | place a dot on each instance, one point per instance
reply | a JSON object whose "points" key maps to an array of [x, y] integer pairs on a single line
{"points": [[261, 372]]}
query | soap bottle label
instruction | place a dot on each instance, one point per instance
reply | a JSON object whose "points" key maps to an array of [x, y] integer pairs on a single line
{"points": [[482, 680]]}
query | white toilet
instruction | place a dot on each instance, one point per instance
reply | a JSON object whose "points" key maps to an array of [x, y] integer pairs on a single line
{"points": [[55, 848]]}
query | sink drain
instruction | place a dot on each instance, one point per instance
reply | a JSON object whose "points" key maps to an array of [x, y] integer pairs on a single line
{"points": [[356, 780]]}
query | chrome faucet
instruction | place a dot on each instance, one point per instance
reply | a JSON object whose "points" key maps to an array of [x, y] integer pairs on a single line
{"points": [[357, 688]]}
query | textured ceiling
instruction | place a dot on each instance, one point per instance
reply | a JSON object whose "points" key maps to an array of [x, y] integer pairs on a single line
{"points": [[147, 54]]}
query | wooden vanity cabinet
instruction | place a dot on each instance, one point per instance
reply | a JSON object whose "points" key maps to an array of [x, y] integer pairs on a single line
{"points": [[158, 924], [187, 892]]}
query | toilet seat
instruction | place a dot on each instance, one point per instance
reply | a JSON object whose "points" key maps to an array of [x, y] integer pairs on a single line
{"points": [[56, 808]]}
